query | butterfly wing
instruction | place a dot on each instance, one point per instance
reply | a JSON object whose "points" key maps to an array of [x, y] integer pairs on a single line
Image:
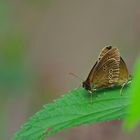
{"points": [[104, 51], [107, 75], [124, 74], [113, 53], [105, 72]]}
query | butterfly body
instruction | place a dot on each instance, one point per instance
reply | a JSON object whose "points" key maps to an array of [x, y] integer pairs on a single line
{"points": [[109, 70]]}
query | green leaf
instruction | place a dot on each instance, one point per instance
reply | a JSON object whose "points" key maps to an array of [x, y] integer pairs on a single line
{"points": [[74, 109], [134, 110]]}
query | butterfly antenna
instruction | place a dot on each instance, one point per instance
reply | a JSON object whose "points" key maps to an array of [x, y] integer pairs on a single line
{"points": [[76, 76]]}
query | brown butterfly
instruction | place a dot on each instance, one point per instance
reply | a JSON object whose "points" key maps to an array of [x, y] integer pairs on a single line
{"points": [[109, 70]]}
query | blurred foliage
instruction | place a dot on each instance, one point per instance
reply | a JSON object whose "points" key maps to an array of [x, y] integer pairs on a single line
{"points": [[4, 17], [74, 109], [12, 49], [134, 109], [13, 73]]}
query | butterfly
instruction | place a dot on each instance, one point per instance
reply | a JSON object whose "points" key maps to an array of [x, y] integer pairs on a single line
{"points": [[109, 70]]}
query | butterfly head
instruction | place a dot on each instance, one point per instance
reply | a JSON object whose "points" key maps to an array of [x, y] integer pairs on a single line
{"points": [[87, 85]]}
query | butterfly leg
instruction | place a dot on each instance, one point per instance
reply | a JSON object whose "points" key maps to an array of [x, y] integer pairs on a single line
{"points": [[122, 86], [129, 82], [91, 94], [91, 101]]}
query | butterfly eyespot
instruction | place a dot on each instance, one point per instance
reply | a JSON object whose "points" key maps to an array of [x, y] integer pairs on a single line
{"points": [[111, 71], [109, 76]]}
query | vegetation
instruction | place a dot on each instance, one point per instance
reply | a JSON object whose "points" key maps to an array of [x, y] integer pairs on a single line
{"points": [[73, 109]]}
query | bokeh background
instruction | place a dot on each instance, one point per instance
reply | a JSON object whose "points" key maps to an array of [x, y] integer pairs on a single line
{"points": [[42, 41]]}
